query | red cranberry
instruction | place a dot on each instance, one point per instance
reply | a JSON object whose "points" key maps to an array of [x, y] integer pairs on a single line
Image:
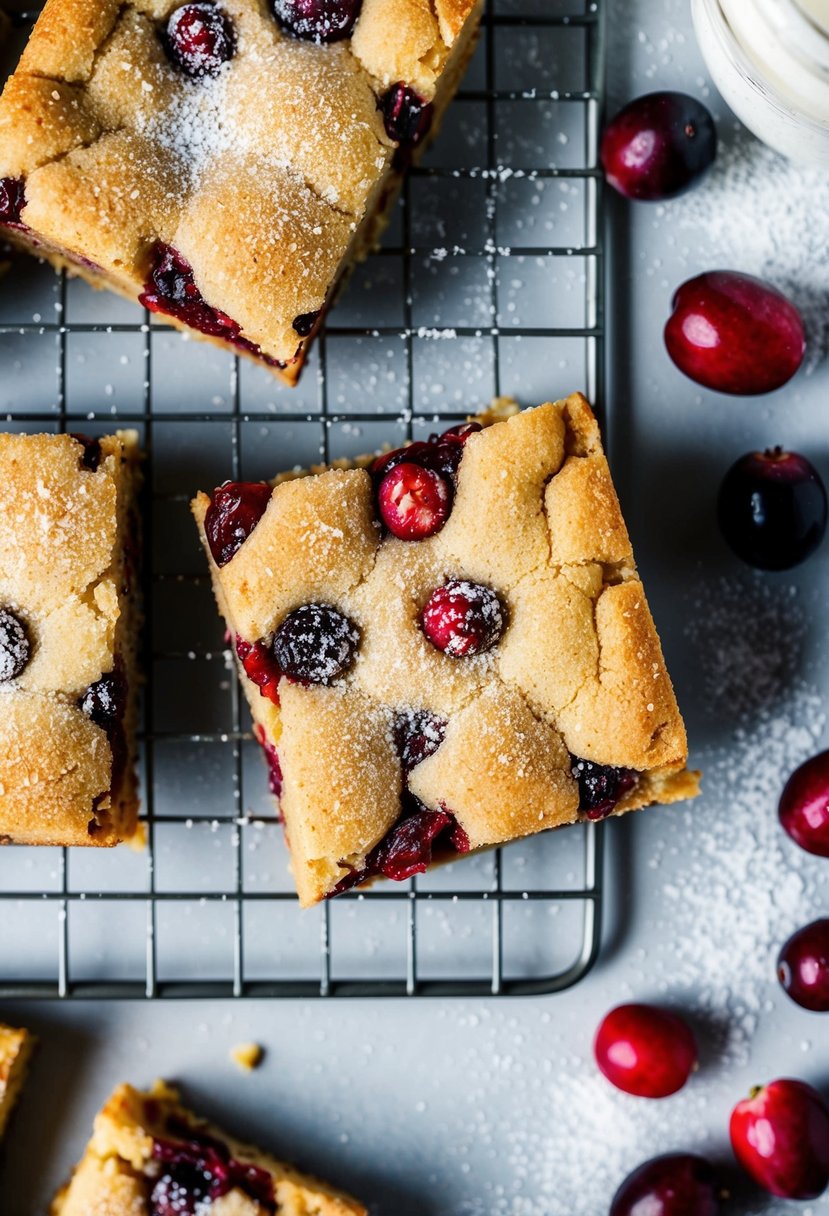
{"points": [[803, 966], [315, 644], [601, 786], [418, 734], [235, 509], [12, 200], [460, 433], [658, 146], [780, 1135], [15, 647], [414, 502], [678, 1184], [804, 805], [305, 322], [318, 20], [462, 618], [91, 455], [260, 667], [272, 760], [200, 38], [772, 509], [645, 1051], [407, 849], [406, 116], [734, 333]]}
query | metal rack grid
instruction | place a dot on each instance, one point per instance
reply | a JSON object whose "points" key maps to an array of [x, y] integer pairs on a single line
{"points": [[191, 916]]}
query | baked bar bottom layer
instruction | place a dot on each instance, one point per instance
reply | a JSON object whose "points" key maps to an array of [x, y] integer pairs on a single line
{"points": [[146, 1144], [15, 1051]]}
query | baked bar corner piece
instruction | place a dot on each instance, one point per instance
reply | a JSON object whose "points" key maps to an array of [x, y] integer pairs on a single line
{"points": [[15, 1049], [68, 620], [446, 648], [149, 1156], [223, 162]]}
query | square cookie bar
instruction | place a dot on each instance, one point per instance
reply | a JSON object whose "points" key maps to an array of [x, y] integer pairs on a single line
{"points": [[447, 648], [68, 619], [223, 163], [15, 1050], [148, 1156]]}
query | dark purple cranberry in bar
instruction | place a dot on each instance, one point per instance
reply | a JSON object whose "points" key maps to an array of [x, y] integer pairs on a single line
{"points": [[171, 289], [260, 667], [91, 455], [318, 20], [235, 509], [305, 322], [315, 644], [462, 618], [406, 116], [418, 734], [105, 700], [200, 1170], [601, 786], [12, 199], [15, 648], [200, 38]]}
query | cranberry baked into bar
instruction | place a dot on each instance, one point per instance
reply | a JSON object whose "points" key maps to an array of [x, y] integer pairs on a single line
{"points": [[15, 1050], [148, 1156], [223, 163], [68, 609], [447, 648]]}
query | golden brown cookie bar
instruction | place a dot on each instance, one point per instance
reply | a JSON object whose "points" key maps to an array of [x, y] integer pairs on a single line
{"points": [[15, 1050], [68, 618], [447, 648], [223, 163], [149, 1156]]}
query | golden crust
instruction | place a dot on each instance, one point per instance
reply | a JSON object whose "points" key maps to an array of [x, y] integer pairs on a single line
{"points": [[268, 203], [115, 1175], [15, 1049], [578, 671], [64, 532]]}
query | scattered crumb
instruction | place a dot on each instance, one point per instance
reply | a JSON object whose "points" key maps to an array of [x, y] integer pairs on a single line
{"points": [[247, 1056]]}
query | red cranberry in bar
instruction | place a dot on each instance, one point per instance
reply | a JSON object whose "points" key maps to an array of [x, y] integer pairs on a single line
{"points": [[804, 805], [272, 760], [406, 116], [12, 200], [260, 667], [315, 644], [414, 502], [645, 1051], [407, 849], [462, 618], [15, 647], [235, 509], [601, 786], [677, 1184], [200, 38], [318, 20]]}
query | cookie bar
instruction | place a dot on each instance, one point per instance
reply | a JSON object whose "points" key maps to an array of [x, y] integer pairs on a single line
{"points": [[223, 163], [447, 648], [15, 1050], [148, 1156], [68, 618]]}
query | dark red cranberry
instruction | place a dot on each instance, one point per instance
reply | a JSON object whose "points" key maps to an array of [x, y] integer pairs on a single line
{"points": [[658, 146], [803, 966], [105, 700], [804, 805], [772, 509], [459, 433], [780, 1135], [260, 667], [315, 644], [413, 501], [15, 647], [415, 453], [200, 38], [12, 199], [91, 455], [272, 760], [462, 618], [318, 20], [601, 786], [406, 116], [305, 322], [407, 848], [458, 836], [678, 1184], [645, 1051], [235, 509], [418, 734], [200, 1170]]}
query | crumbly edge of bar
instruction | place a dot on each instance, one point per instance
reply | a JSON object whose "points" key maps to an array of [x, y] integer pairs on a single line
{"points": [[16, 1046]]}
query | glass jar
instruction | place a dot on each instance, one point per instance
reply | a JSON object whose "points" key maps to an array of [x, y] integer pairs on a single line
{"points": [[770, 61]]}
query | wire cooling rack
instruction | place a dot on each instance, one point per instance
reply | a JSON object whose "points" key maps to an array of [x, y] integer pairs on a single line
{"points": [[490, 280]]}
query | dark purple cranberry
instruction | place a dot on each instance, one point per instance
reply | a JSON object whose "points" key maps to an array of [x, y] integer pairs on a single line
{"points": [[772, 509], [418, 734], [318, 20], [200, 1170], [305, 322], [12, 199], [406, 116], [315, 644], [183, 1188], [803, 966], [15, 648], [105, 700], [658, 146], [601, 786], [677, 1184], [91, 455], [260, 667], [462, 618], [235, 509], [200, 38]]}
